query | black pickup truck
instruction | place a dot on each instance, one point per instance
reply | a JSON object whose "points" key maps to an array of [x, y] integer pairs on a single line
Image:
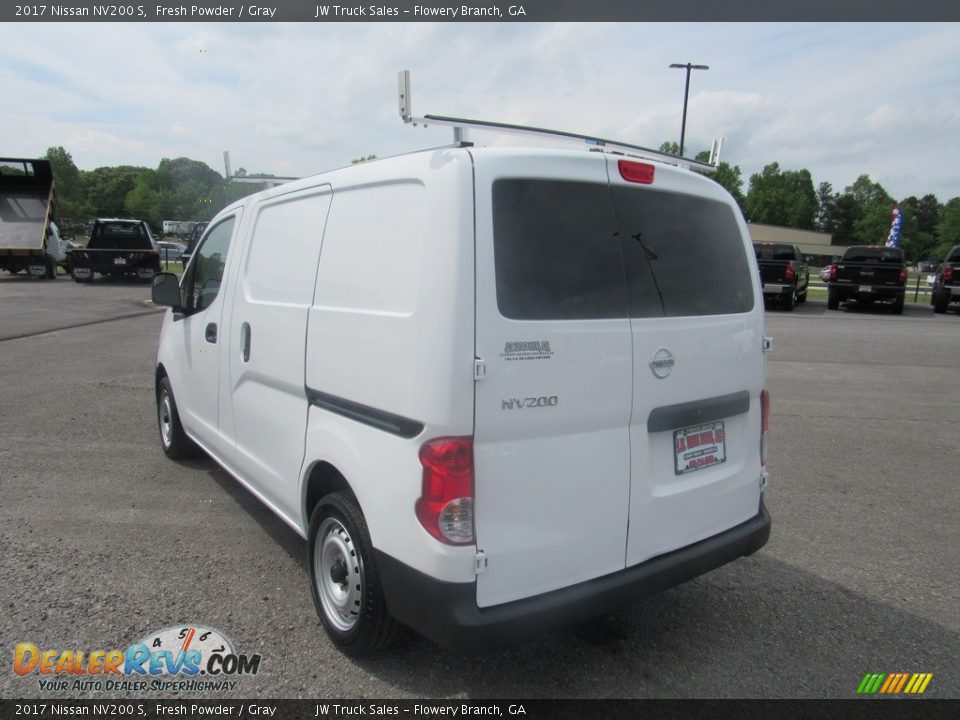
{"points": [[867, 274], [784, 274], [946, 285], [116, 248]]}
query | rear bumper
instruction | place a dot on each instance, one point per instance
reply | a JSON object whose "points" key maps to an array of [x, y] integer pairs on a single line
{"points": [[875, 292], [447, 613]]}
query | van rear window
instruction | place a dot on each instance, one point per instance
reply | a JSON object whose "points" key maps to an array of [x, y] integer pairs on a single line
{"points": [[556, 251], [574, 250]]}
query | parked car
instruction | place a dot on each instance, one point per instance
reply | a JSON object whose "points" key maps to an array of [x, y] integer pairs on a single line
{"points": [[825, 273], [63, 258], [868, 274], [784, 273], [516, 389], [170, 251], [195, 236], [946, 284], [117, 247]]}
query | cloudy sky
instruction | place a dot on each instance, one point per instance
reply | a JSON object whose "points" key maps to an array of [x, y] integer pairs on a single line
{"points": [[295, 99]]}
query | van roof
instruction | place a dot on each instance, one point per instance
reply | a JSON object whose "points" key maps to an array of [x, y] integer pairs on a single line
{"points": [[370, 167]]}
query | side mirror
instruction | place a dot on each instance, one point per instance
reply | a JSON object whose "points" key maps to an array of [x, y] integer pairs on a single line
{"points": [[166, 291]]}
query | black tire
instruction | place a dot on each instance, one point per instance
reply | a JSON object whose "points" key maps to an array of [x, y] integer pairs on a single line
{"points": [[789, 301], [802, 297], [897, 306], [940, 302], [833, 302], [344, 578], [173, 440]]}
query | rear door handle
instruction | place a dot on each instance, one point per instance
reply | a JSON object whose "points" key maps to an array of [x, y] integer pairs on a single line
{"points": [[245, 341], [211, 333]]}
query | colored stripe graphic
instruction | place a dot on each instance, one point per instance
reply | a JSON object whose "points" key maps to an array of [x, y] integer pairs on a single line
{"points": [[873, 684], [894, 683]]}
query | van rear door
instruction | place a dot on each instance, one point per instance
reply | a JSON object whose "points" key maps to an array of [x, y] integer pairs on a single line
{"points": [[619, 327], [697, 327], [552, 440]]}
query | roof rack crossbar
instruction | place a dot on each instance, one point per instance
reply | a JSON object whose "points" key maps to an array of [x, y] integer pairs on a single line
{"points": [[459, 125]]}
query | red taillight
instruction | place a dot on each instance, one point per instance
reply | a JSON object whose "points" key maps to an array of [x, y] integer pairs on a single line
{"points": [[790, 273], [637, 172], [903, 276], [764, 424], [445, 506], [833, 273], [948, 274]]}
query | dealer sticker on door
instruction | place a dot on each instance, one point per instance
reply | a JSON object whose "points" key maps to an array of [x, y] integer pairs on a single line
{"points": [[698, 447]]}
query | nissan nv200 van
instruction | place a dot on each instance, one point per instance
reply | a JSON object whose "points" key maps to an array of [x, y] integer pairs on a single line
{"points": [[496, 390]]}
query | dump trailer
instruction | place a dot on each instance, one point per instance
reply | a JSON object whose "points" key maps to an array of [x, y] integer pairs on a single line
{"points": [[29, 239]]}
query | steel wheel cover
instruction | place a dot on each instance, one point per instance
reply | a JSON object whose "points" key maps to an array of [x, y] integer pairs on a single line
{"points": [[338, 574], [165, 415]]}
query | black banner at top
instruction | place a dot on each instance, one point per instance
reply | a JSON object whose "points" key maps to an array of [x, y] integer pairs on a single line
{"points": [[321, 11]]}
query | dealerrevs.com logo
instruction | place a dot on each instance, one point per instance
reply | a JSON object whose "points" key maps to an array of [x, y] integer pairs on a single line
{"points": [[182, 658]]}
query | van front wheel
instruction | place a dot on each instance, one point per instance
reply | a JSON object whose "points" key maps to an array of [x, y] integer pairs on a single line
{"points": [[345, 582], [173, 440]]}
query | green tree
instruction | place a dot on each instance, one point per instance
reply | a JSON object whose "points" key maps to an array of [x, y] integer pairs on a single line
{"points": [[72, 209], [948, 229], [105, 189], [785, 198], [918, 233], [874, 208], [65, 173], [730, 177], [670, 147], [196, 190]]}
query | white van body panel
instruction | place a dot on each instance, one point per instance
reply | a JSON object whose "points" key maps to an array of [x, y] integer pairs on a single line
{"points": [[358, 318], [266, 339], [714, 355], [552, 482], [397, 337], [198, 368]]}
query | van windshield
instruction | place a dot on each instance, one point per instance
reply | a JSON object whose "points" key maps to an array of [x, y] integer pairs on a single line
{"points": [[576, 250]]}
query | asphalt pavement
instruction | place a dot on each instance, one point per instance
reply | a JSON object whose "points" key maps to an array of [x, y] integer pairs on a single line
{"points": [[105, 540]]}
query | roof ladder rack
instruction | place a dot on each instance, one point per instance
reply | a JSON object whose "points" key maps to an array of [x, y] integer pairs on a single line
{"points": [[461, 125]]}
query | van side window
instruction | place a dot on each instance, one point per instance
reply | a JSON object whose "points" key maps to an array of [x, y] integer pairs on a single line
{"points": [[206, 272]]}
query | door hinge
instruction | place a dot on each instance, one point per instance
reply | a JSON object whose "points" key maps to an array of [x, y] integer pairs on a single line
{"points": [[479, 369], [480, 562], [766, 344]]}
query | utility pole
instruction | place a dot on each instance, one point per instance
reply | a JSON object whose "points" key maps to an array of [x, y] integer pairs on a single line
{"points": [[686, 92]]}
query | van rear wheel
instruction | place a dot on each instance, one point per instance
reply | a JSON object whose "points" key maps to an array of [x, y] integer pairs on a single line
{"points": [[344, 578]]}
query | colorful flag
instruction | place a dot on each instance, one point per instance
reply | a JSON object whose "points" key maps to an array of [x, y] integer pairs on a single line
{"points": [[896, 219]]}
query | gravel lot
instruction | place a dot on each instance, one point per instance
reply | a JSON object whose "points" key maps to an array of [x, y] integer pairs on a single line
{"points": [[106, 540]]}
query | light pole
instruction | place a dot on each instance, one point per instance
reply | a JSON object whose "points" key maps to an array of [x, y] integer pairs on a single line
{"points": [[686, 91]]}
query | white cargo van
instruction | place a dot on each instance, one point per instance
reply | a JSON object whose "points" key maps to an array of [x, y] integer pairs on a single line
{"points": [[497, 390]]}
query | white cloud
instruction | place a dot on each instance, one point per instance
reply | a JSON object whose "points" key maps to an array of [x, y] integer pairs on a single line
{"points": [[838, 99]]}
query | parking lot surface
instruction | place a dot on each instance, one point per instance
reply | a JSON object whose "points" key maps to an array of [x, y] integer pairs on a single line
{"points": [[105, 540]]}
